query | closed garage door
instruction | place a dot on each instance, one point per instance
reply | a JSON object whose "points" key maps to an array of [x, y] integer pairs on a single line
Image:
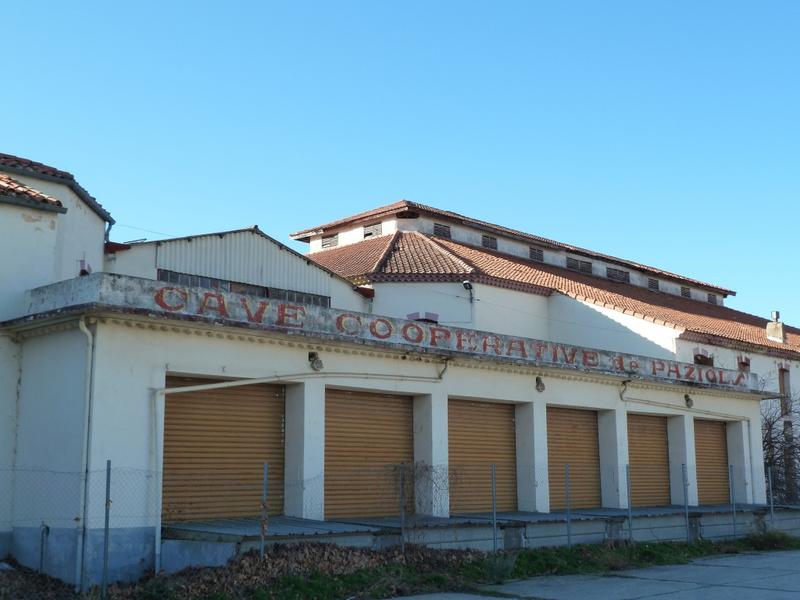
{"points": [[648, 452], [367, 437], [572, 440], [481, 434], [215, 445], [711, 451]]}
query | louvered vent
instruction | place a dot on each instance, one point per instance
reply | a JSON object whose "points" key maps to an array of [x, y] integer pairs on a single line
{"points": [[330, 241], [441, 230], [584, 266], [373, 230], [653, 284], [536, 254], [487, 241], [618, 275], [712, 298], [686, 292]]}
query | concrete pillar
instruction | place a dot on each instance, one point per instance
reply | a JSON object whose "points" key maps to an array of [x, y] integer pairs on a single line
{"points": [[304, 481], [680, 437], [612, 433], [431, 479], [533, 493], [757, 475], [739, 459]]}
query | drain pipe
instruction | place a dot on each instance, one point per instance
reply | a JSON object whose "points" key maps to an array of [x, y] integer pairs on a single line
{"points": [[85, 450]]}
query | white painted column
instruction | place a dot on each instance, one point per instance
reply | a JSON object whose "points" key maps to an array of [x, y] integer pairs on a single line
{"points": [[739, 459], [533, 493], [757, 475], [304, 480], [431, 479], [612, 433], [680, 437]]}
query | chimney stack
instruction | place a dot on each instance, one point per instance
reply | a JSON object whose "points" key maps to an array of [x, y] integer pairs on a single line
{"points": [[775, 330]]}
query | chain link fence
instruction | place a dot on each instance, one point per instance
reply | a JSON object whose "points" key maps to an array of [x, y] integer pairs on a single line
{"points": [[124, 507]]}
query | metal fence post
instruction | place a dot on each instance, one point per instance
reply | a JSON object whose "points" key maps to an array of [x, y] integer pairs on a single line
{"points": [[264, 514], [771, 498], [686, 502], [104, 586], [403, 508], [630, 502], [494, 507], [569, 505], [733, 497]]}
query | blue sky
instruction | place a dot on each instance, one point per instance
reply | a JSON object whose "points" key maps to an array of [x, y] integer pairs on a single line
{"points": [[666, 132]]}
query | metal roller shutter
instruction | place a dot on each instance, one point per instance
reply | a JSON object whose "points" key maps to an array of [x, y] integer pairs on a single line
{"points": [[215, 445], [648, 455], [367, 437], [481, 434], [711, 451], [572, 440]]}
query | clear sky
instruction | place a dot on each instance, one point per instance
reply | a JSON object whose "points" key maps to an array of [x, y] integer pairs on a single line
{"points": [[666, 132]]}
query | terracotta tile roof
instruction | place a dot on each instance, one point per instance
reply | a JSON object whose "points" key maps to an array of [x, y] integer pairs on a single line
{"points": [[414, 257], [22, 194], [355, 260], [17, 165], [408, 206]]}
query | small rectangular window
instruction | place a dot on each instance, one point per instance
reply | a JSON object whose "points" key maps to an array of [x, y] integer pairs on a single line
{"points": [[783, 382], [536, 254], [584, 266], [702, 359], [441, 230], [329, 241], [712, 298], [686, 292], [618, 275], [653, 284], [373, 230], [744, 364], [487, 241]]}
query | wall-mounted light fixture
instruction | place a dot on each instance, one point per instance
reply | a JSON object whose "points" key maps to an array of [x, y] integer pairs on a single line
{"points": [[540, 387], [468, 286], [688, 399], [315, 361]]}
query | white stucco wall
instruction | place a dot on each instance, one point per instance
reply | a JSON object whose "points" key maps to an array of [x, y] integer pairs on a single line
{"points": [[511, 312], [28, 245], [586, 324], [764, 365], [50, 427], [9, 377], [450, 301], [81, 232]]}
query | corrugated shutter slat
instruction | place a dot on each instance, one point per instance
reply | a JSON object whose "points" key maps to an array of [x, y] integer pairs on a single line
{"points": [[215, 445], [572, 439], [648, 452], [711, 451]]}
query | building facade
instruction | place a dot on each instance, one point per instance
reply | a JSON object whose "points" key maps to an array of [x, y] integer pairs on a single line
{"points": [[393, 369]]}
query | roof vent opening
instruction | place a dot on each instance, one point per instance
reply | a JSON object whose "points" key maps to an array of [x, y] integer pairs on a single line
{"points": [[775, 329]]}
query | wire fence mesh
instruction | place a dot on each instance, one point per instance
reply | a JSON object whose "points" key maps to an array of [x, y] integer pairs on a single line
{"points": [[39, 505]]}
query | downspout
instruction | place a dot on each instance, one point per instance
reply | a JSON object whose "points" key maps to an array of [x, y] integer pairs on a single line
{"points": [[80, 554]]}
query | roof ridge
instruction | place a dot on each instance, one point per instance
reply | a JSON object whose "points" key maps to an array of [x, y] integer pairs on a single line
{"points": [[470, 268], [384, 256]]}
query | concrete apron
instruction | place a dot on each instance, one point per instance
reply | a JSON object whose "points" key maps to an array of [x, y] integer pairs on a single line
{"points": [[131, 550]]}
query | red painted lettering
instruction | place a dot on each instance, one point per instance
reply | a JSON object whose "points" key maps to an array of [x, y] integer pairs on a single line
{"points": [[466, 341], [711, 375], [496, 344], [348, 324], [218, 304], [656, 366], [440, 334], [569, 357], [383, 332], [590, 358], [413, 333], [740, 378], [633, 365], [178, 294], [540, 348], [674, 369], [619, 363], [258, 316], [516, 346], [291, 315], [722, 378]]}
